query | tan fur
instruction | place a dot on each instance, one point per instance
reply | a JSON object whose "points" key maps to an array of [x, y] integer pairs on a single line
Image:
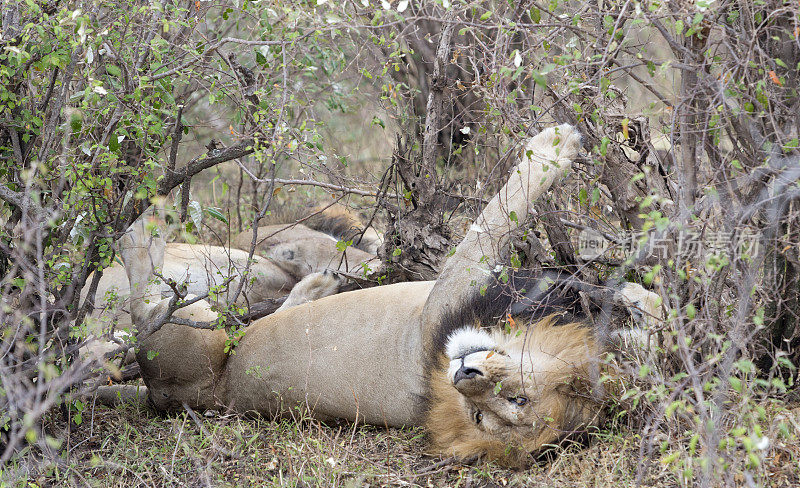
{"points": [[307, 251], [271, 235], [355, 355], [337, 219], [305, 256], [361, 355], [312, 287], [342, 220], [179, 364], [189, 374], [198, 267]]}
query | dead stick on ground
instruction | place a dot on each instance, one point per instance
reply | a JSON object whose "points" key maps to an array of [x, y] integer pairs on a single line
{"points": [[217, 447]]}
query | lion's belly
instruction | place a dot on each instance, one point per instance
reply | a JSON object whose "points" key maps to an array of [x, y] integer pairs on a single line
{"points": [[352, 355]]}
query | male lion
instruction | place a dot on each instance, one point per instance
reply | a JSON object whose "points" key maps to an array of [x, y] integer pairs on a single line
{"points": [[399, 354]]}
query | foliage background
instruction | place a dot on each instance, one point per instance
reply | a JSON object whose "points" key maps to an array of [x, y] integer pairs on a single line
{"points": [[221, 113]]}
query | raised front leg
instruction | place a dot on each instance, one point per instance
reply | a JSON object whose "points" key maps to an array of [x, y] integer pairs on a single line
{"points": [[180, 365], [143, 254], [546, 158]]}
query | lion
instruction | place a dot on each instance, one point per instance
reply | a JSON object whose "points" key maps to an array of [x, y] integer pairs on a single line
{"points": [[291, 252], [307, 251], [505, 393], [201, 269], [335, 220], [296, 256], [399, 355]]}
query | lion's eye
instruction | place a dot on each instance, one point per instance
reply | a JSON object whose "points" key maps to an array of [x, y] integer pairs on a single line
{"points": [[478, 416], [519, 400]]}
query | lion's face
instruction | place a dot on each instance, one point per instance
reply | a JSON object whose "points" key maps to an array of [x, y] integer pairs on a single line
{"points": [[494, 394], [505, 396]]}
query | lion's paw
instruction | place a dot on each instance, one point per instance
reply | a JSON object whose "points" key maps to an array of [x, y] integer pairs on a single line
{"points": [[319, 285], [644, 305], [560, 142], [313, 287]]}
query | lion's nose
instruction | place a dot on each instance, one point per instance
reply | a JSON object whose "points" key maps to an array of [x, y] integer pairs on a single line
{"points": [[465, 373]]}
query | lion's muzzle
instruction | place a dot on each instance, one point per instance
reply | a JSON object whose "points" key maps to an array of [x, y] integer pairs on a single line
{"points": [[465, 373]]}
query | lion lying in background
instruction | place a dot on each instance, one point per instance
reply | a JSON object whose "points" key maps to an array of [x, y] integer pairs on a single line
{"points": [[403, 354], [201, 269], [286, 254], [307, 250]]}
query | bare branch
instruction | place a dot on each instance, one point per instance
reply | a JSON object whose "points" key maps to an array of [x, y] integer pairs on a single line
{"points": [[213, 158]]}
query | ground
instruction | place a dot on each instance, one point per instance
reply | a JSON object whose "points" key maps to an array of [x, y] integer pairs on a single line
{"points": [[131, 446]]}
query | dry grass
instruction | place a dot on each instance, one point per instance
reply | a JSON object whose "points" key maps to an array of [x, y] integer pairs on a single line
{"points": [[131, 446]]}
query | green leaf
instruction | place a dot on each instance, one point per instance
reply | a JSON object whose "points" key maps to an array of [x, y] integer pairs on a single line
{"points": [[19, 283], [342, 246], [539, 79], [745, 366], [672, 407], [486, 15], [378, 121], [216, 214], [113, 142], [604, 145], [195, 212]]}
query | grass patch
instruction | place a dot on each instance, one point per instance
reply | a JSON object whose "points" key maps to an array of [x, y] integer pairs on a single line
{"points": [[131, 446]]}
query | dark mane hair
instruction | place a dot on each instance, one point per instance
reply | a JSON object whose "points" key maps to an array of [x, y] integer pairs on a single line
{"points": [[340, 226], [337, 220], [531, 296]]}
